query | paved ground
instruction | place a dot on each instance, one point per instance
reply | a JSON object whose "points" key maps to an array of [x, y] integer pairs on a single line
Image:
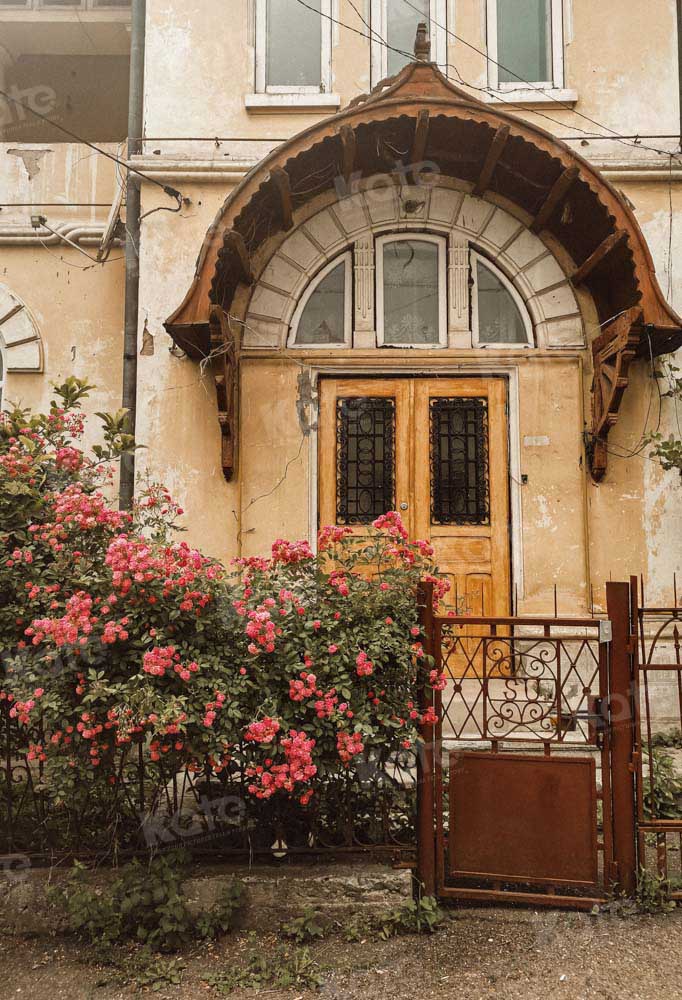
{"points": [[477, 954]]}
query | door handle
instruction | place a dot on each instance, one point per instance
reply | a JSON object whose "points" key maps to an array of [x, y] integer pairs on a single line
{"points": [[404, 506]]}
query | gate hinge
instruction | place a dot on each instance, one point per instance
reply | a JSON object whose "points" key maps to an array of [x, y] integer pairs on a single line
{"points": [[614, 872]]}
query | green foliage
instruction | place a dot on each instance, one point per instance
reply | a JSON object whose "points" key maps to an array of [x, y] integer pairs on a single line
{"points": [[419, 916], [123, 646], [669, 738], [663, 796], [284, 968], [668, 450], [138, 966], [154, 973], [652, 894], [223, 915], [308, 927], [145, 903]]}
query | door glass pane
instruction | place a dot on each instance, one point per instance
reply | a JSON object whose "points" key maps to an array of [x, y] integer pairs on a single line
{"points": [[294, 44], [499, 319], [323, 318], [411, 313], [459, 461], [401, 30], [365, 481], [524, 41]]}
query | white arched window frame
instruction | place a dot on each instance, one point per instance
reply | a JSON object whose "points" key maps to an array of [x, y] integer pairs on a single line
{"points": [[413, 236], [347, 260], [475, 259]]}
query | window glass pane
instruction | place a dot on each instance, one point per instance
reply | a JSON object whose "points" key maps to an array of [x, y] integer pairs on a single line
{"points": [[365, 435], [411, 313], [323, 318], [524, 40], [459, 461], [499, 319], [294, 34], [401, 29]]}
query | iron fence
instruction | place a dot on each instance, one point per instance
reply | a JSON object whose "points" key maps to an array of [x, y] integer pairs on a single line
{"points": [[658, 750], [158, 806]]}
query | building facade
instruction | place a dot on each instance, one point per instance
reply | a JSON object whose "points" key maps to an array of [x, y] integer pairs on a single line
{"points": [[433, 278]]}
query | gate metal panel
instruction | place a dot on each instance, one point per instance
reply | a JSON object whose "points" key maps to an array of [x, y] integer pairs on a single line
{"points": [[523, 819]]}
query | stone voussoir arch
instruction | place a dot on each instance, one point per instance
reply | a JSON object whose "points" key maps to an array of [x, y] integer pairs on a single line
{"points": [[20, 338], [356, 220]]}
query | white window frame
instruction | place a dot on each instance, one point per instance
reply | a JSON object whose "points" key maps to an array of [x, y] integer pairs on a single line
{"points": [[347, 259], [557, 39], [379, 27], [262, 86], [474, 258], [413, 236]]}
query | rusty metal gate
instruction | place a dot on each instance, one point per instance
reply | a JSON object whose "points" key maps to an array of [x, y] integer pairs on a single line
{"points": [[526, 790], [658, 740]]}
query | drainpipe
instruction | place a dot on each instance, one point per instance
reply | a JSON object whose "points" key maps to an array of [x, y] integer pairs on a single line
{"points": [[679, 63], [132, 279]]}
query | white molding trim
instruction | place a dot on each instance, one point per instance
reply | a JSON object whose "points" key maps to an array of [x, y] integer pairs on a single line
{"points": [[379, 29], [531, 96], [214, 171], [347, 260], [262, 86], [20, 340], [557, 36], [290, 101]]}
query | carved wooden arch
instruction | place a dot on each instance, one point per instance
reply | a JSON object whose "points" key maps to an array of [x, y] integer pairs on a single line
{"points": [[501, 158]]}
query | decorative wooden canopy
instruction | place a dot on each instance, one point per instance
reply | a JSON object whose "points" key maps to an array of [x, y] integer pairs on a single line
{"points": [[558, 193]]}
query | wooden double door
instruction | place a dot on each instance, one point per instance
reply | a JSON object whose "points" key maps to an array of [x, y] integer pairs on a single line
{"points": [[436, 450]]}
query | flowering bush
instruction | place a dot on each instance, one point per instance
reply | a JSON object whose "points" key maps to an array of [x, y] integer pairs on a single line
{"points": [[122, 644]]}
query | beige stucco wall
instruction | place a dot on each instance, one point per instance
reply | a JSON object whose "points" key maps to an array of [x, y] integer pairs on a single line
{"points": [[199, 67]]}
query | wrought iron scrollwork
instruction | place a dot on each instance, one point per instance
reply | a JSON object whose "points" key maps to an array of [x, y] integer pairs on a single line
{"points": [[459, 461], [365, 449]]}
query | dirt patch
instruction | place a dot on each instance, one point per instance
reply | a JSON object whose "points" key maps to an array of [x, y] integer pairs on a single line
{"points": [[477, 954]]}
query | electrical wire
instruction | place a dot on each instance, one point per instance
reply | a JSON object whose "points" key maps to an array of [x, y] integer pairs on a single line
{"points": [[616, 136], [170, 191]]}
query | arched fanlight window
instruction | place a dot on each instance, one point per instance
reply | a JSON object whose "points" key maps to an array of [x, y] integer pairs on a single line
{"points": [[411, 304], [323, 317], [499, 316]]}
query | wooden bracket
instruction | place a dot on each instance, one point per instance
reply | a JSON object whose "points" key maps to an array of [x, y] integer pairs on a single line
{"points": [[280, 178], [234, 241], [492, 158], [612, 353], [557, 193], [225, 349], [348, 148], [421, 135], [582, 273]]}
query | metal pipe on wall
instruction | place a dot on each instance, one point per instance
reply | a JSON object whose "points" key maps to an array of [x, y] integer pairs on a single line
{"points": [[132, 246]]}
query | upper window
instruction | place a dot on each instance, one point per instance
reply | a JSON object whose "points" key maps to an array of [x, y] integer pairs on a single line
{"points": [[525, 43], [411, 305], [499, 316], [293, 46], [394, 29], [406, 289], [323, 316]]}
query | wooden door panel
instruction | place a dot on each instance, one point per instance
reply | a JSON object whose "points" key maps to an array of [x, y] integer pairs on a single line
{"points": [[450, 477], [331, 392]]}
